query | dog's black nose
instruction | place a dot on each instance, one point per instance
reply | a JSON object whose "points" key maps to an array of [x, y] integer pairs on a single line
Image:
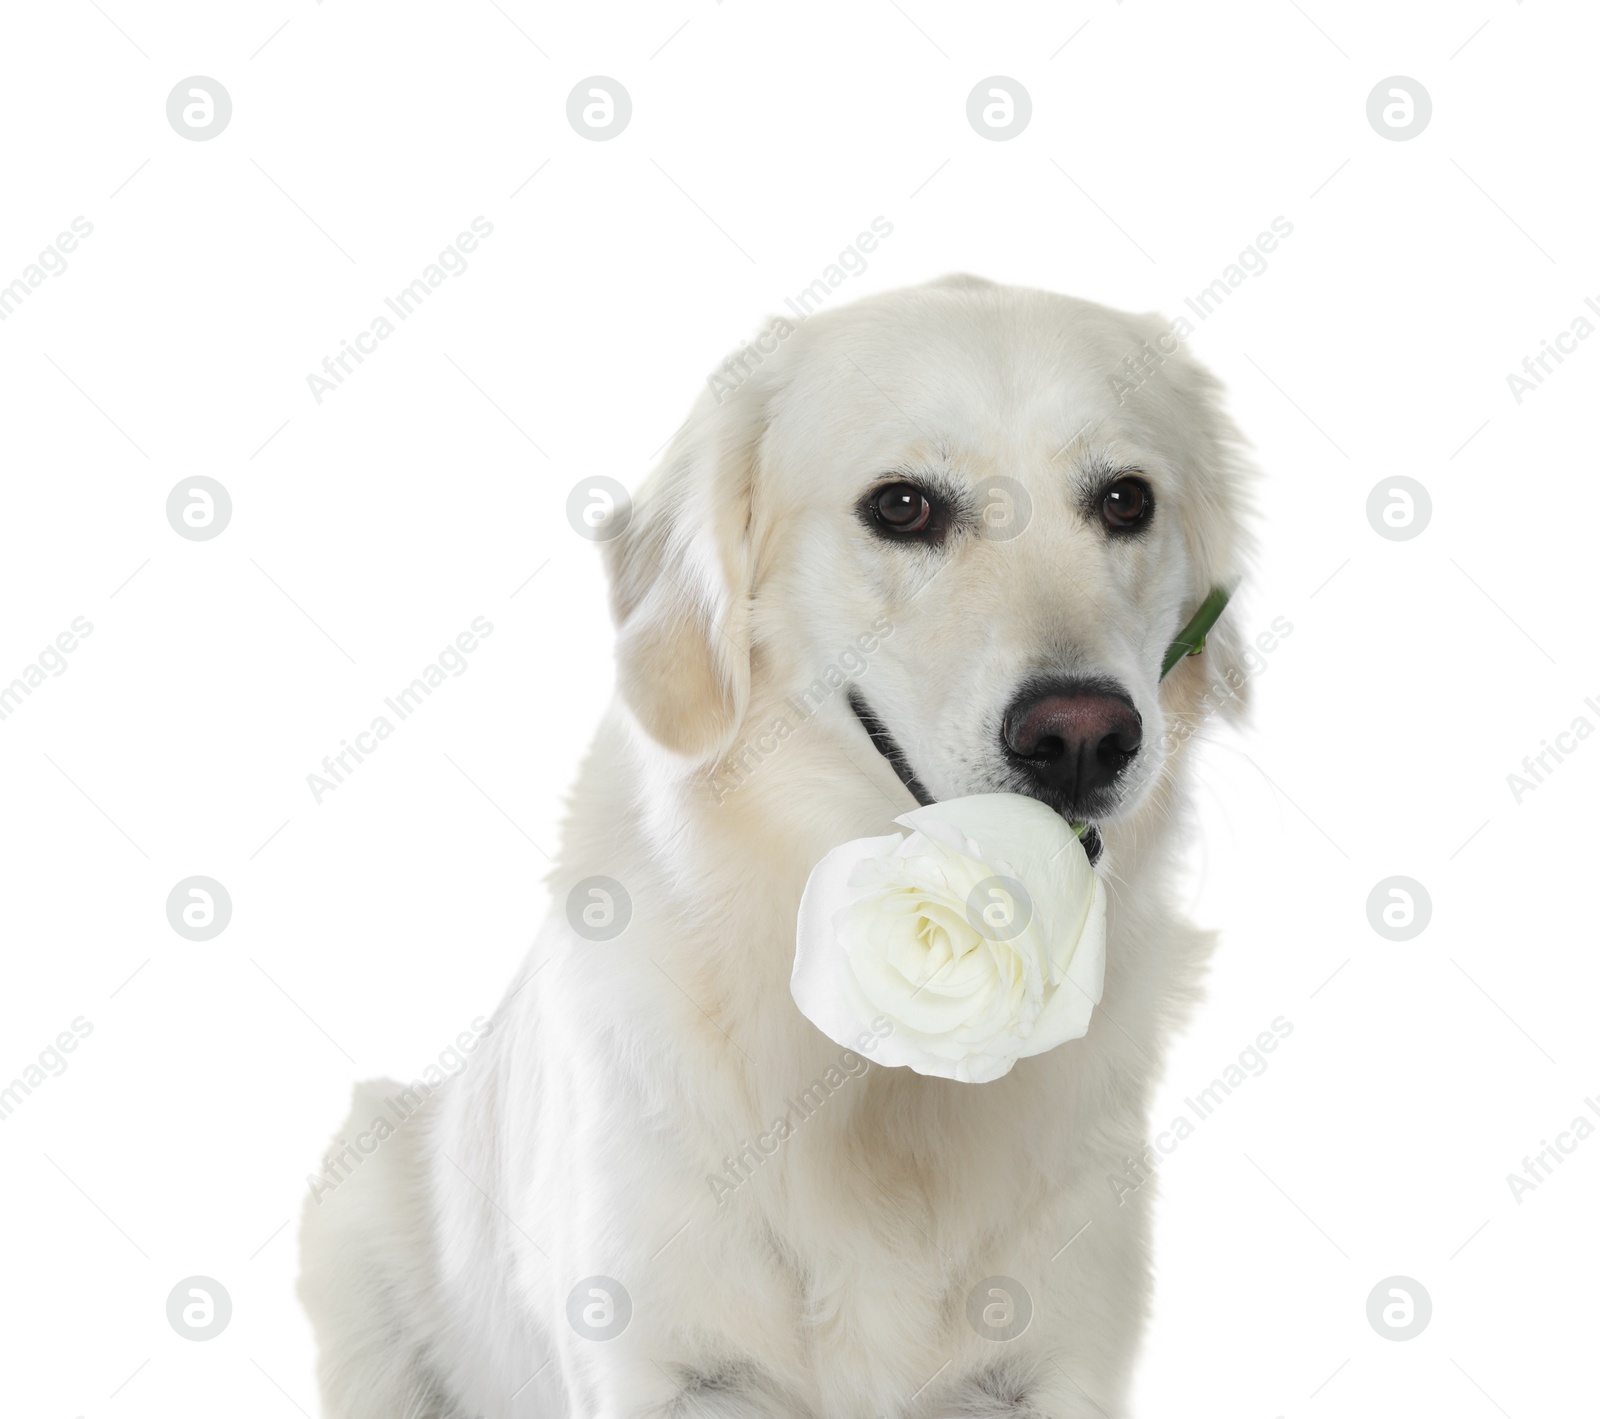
{"points": [[1073, 737]]}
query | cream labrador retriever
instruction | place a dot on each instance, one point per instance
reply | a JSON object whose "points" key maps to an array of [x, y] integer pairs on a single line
{"points": [[931, 544]]}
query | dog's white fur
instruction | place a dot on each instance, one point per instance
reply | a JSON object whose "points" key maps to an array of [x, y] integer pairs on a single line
{"points": [[619, 1076]]}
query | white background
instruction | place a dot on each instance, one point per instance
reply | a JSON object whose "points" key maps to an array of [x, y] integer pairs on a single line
{"points": [[369, 529]]}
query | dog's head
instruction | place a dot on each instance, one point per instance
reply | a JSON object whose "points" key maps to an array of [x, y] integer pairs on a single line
{"points": [[965, 519]]}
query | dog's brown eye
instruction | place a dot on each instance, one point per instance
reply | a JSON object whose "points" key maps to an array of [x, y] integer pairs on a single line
{"points": [[1127, 504], [902, 509]]}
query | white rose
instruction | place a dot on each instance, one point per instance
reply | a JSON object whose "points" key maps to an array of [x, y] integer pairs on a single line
{"points": [[971, 972]]}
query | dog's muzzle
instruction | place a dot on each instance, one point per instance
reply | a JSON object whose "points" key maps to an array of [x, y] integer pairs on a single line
{"points": [[1073, 739], [885, 744]]}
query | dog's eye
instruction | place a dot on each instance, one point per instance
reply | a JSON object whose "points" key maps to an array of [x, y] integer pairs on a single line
{"points": [[1127, 504], [904, 510]]}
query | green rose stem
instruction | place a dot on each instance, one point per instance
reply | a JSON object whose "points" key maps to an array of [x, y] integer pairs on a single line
{"points": [[1191, 640]]}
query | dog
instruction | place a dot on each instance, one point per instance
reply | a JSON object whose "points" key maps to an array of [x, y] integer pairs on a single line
{"points": [[930, 544]]}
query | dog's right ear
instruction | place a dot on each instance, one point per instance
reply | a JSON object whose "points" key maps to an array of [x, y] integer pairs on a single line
{"points": [[681, 573]]}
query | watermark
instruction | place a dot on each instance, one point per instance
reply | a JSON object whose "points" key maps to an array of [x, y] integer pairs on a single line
{"points": [[451, 663], [199, 508], [740, 1167], [1225, 690], [1399, 508], [1250, 263], [199, 1308], [405, 303], [1540, 1167], [852, 261], [737, 767], [198, 108], [599, 908], [1139, 1168], [1536, 366], [341, 1161], [1399, 1308], [598, 108], [998, 108], [999, 1308], [599, 1308], [1220, 693], [52, 261], [49, 1063], [999, 908], [599, 508], [1536, 768], [1399, 908], [1138, 367], [199, 908], [51, 662], [1398, 108], [1007, 509]]}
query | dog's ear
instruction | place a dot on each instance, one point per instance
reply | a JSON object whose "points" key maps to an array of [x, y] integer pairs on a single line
{"points": [[1228, 664], [681, 574], [1221, 554], [1215, 528]]}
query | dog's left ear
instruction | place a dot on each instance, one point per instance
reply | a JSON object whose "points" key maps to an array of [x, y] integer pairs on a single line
{"points": [[681, 573], [1218, 537], [1225, 664]]}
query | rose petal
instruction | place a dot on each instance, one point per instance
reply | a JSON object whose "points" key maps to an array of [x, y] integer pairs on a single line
{"points": [[884, 930], [1067, 1012], [820, 966]]}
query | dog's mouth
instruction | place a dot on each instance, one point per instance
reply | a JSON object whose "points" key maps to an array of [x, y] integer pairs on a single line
{"points": [[885, 743]]}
